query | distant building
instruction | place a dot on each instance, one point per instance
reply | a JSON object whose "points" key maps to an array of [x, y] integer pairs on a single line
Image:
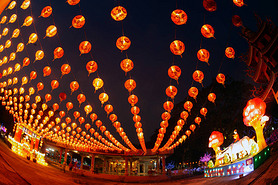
{"points": [[262, 57]]}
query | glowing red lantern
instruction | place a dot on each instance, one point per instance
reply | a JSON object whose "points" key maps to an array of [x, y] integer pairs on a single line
{"points": [[210, 5], [237, 21], [230, 52], [203, 55], [220, 78], [174, 72], [193, 92], [188, 105], [123, 43], [168, 106], [171, 91], [177, 47], [207, 31], [179, 17]]}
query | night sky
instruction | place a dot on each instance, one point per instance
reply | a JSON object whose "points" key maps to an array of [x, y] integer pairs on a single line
{"points": [[150, 29]]}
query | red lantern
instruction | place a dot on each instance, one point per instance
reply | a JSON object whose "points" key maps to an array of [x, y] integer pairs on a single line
{"points": [[207, 31], [69, 105], [74, 85], [76, 114], [103, 97], [168, 106], [174, 72], [130, 85], [91, 67], [33, 75], [210, 5], [188, 105], [81, 120], [211, 97], [62, 96], [40, 86], [55, 106], [126, 65], [165, 116], [237, 21], [192, 127], [93, 117], [58, 53], [108, 108], [132, 99], [198, 76], [220, 78], [203, 55], [203, 111], [193, 92], [81, 98], [48, 97], [135, 110], [238, 3], [179, 17], [177, 47], [123, 43], [113, 117], [65, 69], [118, 13], [78, 21], [85, 47], [46, 11], [46, 71], [98, 123], [230, 52], [171, 91], [198, 120], [184, 115], [54, 84]]}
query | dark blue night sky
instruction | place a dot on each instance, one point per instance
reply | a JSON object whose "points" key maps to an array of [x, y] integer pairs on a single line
{"points": [[150, 29]]}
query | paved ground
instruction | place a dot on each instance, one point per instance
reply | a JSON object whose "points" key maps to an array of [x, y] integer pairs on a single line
{"points": [[17, 170]]}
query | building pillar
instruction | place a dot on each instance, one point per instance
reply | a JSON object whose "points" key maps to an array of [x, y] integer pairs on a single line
{"points": [[157, 164], [130, 166], [82, 161], [66, 156], [126, 166], [61, 153], [93, 163], [163, 165], [104, 165]]}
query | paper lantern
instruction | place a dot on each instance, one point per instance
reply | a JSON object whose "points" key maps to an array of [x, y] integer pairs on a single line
{"points": [[20, 47], [74, 85], [93, 117], [68, 120], [81, 98], [73, 2], [184, 115], [33, 75], [135, 110], [102, 128], [168, 106], [28, 21], [54, 84], [85, 47], [197, 120], [16, 33], [91, 67], [192, 127], [220, 78], [88, 109], [12, 57], [8, 44], [203, 111], [39, 55], [108, 108], [78, 21], [73, 125], [58, 53], [40, 86], [65, 69], [210, 5], [136, 118], [15, 80], [3, 19], [193, 92], [188, 105], [51, 31], [198, 76], [179, 17], [165, 116], [126, 65], [62, 96], [33, 38], [13, 18], [97, 83], [230, 52], [113, 117], [238, 3], [174, 72], [62, 114], [46, 71], [236, 20], [123, 43], [69, 105], [31, 91], [38, 99], [103, 97], [212, 97], [207, 31], [76, 114], [12, 5], [46, 11], [177, 47], [48, 97], [130, 85], [132, 99], [98, 123], [171, 91], [118, 13], [81, 120], [25, 4], [203, 55]]}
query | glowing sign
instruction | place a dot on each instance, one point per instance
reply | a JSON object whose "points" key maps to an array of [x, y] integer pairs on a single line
{"points": [[241, 167]]}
